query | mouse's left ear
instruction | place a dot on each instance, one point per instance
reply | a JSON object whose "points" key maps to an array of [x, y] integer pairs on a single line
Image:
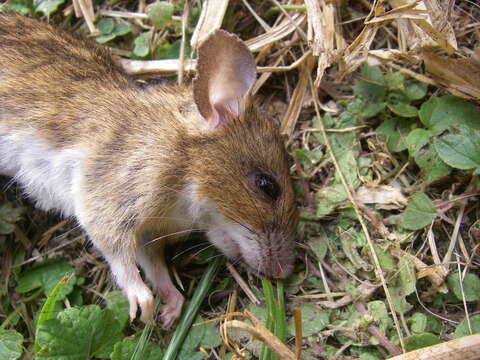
{"points": [[226, 71]]}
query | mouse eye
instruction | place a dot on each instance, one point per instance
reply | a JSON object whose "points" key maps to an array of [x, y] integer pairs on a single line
{"points": [[268, 185]]}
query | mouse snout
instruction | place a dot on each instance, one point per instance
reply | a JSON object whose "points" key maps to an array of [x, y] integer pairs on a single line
{"points": [[276, 270]]}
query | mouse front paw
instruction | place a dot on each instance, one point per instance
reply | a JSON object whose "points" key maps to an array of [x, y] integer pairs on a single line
{"points": [[142, 298]]}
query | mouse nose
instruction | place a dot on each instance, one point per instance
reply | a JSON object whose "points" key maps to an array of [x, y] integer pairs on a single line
{"points": [[277, 270]]}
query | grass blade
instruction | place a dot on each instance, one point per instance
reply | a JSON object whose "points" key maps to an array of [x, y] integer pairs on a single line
{"points": [[191, 311]]}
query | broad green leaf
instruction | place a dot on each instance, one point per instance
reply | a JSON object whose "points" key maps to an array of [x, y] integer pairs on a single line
{"points": [[415, 90], [46, 275], [10, 344], [461, 151], [396, 131], [78, 334], [419, 341], [329, 198], [47, 7], [463, 329], [395, 81], [417, 139], [407, 276], [121, 29], [349, 247], [398, 298], [419, 213], [141, 48], [433, 167], [371, 85], [403, 110], [23, 7], [372, 109], [438, 114], [118, 303], [385, 259], [471, 286], [192, 341], [129, 349], [9, 215], [102, 39], [314, 319], [160, 13], [347, 162], [211, 338], [105, 25], [319, 245], [418, 323], [379, 312]]}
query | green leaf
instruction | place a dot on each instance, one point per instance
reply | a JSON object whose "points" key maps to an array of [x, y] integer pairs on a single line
{"points": [[78, 334], [314, 319], [23, 7], [418, 323], [347, 162], [403, 110], [371, 86], [385, 259], [118, 303], [419, 341], [46, 275], [9, 215], [121, 29], [395, 81], [433, 167], [461, 151], [318, 244], [419, 213], [211, 338], [105, 26], [160, 13], [415, 90], [372, 109], [47, 7], [471, 286], [192, 341], [396, 131], [463, 329], [10, 344], [141, 48], [438, 114], [407, 276], [129, 349], [102, 39], [379, 312], [329, 198], [48, 309]]}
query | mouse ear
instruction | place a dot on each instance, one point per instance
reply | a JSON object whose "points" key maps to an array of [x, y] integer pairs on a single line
{"points": [[225, 73]]}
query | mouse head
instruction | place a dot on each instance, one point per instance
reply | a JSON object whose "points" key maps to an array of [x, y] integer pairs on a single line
{"points": [[240, 185]]}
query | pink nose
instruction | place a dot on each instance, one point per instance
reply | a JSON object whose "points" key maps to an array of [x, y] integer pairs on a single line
{"points": [[277, 270]]}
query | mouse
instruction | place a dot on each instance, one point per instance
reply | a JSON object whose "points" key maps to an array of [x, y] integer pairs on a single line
{"points": [[139, 167]]}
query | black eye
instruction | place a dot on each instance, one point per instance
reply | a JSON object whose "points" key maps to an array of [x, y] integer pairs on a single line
{"points": [[268, 185]]}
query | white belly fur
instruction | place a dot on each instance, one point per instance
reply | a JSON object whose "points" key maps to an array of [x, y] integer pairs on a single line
{"points": [[47, 175]]}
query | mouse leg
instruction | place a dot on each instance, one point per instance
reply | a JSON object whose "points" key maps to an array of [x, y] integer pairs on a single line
{"points": [[151, 258], [128, 278]]}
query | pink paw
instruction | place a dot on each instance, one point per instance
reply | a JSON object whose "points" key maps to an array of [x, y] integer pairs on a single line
{"points": [[172, 308]]}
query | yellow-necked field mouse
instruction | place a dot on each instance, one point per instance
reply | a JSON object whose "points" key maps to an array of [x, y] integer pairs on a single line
{"points": [[132, 164]]}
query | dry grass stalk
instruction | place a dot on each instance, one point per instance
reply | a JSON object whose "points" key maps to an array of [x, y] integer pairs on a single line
{"points": [[85, 8], [211, 19], [258, 331], [465, 348], [460, 76], [277, 33]]}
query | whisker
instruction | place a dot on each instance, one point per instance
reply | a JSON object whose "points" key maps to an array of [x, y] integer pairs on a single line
{"points": [[172, 234]]}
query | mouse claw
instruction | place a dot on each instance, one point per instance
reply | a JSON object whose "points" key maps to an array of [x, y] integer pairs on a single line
{"points": [[141, 297]]}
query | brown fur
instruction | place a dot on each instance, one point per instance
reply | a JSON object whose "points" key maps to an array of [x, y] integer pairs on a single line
{"points": [[142, 145]]}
